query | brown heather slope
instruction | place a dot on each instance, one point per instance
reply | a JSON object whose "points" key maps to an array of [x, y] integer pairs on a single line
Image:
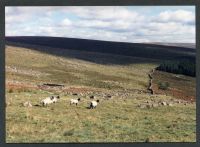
{"points": [[181, 86]]}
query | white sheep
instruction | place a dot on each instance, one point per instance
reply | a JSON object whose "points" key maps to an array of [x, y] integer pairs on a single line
{"points": [[74, 101], [93, 104], [55, 99], [47, 101]]}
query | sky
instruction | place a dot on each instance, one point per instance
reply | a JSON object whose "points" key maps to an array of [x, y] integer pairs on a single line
{"points": [[174, 24]]}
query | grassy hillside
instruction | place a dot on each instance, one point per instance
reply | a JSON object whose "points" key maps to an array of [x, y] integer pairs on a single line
{"points": [[71, 71], [117, 119]]}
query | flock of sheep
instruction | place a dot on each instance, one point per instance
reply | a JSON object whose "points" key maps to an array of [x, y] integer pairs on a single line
{"points": [[54, 99]]}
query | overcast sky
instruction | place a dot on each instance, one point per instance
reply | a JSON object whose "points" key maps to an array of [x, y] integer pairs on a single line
{"points": [[125, 24]]}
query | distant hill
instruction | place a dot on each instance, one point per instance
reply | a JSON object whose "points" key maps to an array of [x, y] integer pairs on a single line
{"points": [[155, 51], [186, 45]]}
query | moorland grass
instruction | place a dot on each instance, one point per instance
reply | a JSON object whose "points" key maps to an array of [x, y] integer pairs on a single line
{"points": [[114, 120]]}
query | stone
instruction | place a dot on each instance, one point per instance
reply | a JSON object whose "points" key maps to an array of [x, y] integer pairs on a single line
{"points": [[109, 96], [27, 104], [170, 104], [92, 97], [155, 105], [141, 106], [163, 103]]}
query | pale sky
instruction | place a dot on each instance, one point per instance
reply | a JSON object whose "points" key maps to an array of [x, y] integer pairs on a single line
{"points": [[111, 23]]}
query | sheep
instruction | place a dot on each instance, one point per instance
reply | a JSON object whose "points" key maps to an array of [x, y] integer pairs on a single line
{"points": [[55, 99], [93, 104], [47, 101], [74, 101]]}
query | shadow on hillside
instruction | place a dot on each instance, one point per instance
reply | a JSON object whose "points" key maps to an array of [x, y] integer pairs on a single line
{"points": [[101, 52]]}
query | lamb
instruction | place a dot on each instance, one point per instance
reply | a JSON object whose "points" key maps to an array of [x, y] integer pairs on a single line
{"points": [[74, 101], [93, 104], [47, 101]]}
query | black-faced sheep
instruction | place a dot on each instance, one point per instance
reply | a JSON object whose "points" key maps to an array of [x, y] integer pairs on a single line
{"points": [[93, 104], [49, 100], [74, 101], [55, 99]]}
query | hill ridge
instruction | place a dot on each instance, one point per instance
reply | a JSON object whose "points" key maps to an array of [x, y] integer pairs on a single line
{"points": [[120, 48]]}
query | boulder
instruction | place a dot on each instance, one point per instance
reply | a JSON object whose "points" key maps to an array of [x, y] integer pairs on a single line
{"points": [[163, 103], [27, 104]]}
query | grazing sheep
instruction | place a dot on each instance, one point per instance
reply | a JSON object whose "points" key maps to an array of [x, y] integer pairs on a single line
{"points": [[55, 99], [47, 101], [74, 101], [93, 104]]}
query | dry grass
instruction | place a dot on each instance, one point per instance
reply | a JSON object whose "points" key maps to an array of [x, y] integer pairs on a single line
{"points": [[114, 120]]}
